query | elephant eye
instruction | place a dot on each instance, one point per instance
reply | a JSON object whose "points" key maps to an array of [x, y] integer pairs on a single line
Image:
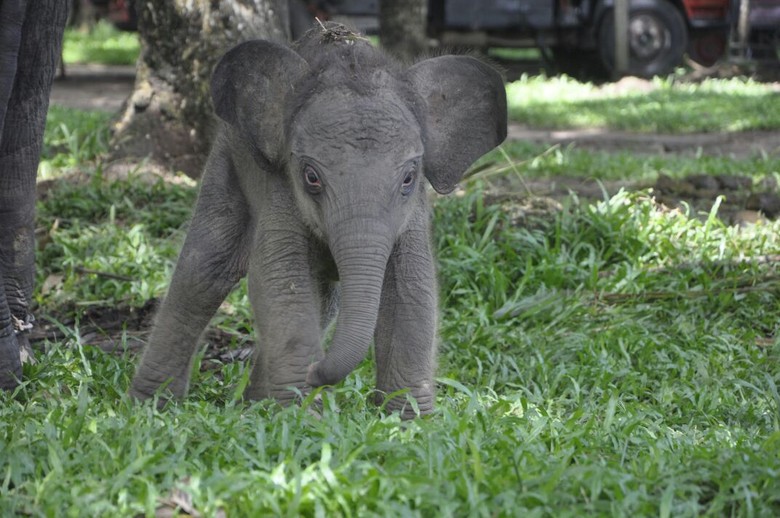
{"points": [[311, 180], [408, 184]]}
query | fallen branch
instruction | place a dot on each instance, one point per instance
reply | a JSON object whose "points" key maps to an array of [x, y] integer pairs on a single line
{"points": [[555, 300], [712, 266], [649, 296], [107, 275]]}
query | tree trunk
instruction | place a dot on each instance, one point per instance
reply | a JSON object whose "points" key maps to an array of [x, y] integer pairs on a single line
{"points": [[743, 28], [84, 14], [169, 117], [402, 27]]}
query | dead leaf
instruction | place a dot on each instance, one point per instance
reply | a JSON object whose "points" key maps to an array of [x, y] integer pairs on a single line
{"points": [[179, 503], [52, 283]]}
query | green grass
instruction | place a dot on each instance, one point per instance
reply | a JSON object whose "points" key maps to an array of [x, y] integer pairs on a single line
{"points": [[126, 228], [514, 53], [620, 359], [671, 107], [72, 138], [103, 44], [529, 160]]}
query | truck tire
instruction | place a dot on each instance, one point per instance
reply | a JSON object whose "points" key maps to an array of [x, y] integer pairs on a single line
{"points": [[658, 38]]}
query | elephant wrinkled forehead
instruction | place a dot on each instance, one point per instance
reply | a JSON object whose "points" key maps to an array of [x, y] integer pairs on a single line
{"points": [[337, 122]]}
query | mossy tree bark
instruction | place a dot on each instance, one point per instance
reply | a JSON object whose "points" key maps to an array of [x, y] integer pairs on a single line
{"points": [[169, 117], [402, 27]]}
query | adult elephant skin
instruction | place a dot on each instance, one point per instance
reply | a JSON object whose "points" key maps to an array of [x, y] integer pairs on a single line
{"points": [[317, 175], [30, 42]]}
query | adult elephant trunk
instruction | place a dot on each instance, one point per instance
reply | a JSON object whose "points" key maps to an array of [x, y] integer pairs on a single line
{"points": [[361, 250]]}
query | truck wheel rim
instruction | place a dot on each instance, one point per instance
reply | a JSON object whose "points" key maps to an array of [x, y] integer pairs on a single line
{"points": [[648, 36]]}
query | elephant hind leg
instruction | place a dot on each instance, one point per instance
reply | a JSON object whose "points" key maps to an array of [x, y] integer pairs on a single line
{"points": [[213, 259]]}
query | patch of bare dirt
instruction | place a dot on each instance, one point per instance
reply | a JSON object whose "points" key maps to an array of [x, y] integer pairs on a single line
{"points": [[93, 87]]}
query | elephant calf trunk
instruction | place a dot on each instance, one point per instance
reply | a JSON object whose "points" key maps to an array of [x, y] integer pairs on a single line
{"points": [[362, 271]]}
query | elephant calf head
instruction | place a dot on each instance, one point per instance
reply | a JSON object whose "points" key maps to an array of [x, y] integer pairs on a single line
{"points": [[341, 140]]}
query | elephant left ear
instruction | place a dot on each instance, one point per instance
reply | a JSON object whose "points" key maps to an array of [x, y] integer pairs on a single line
{"points": [[465, 114]]}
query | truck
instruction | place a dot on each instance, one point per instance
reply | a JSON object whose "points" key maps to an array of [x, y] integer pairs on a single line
{"points": [[577, 36], [573, 36]]}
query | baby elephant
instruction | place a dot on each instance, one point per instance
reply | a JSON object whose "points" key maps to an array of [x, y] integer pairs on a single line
{"points": [[315, 188]]}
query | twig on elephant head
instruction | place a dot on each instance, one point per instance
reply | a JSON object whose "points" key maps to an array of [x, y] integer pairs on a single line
{"points": [[337, 32]]}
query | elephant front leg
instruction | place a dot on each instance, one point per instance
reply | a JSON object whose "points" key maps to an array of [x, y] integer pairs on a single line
{"points": [[287, 302], [406, 329]]}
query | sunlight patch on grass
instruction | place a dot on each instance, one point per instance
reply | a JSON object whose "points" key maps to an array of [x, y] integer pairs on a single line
{"points": [[663, 105], [103, 44]]}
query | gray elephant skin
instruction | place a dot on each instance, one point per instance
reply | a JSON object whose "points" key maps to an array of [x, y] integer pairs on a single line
{"points": [[30, 41], [315, 188]]}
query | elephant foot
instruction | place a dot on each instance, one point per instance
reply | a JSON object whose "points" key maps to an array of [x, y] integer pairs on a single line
{"points": [[140, 396], [10, 361], [287, 395], [139, 392], [401, 402], [147, 382]]}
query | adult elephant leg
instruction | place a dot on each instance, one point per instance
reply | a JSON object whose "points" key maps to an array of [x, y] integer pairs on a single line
{"points": [[213, 259], [10, 364], [20, 146], [11, 21], [17, 268], [287, 297], [406, 328]]}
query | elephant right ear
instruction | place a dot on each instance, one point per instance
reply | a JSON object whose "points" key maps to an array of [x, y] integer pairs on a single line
{"points": [[465, 114], [249, 88]]}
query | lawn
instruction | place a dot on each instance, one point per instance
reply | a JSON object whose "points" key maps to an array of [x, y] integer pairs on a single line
{"points": [[613, 358], [664, 105], [101, 44], [530, 160]]}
